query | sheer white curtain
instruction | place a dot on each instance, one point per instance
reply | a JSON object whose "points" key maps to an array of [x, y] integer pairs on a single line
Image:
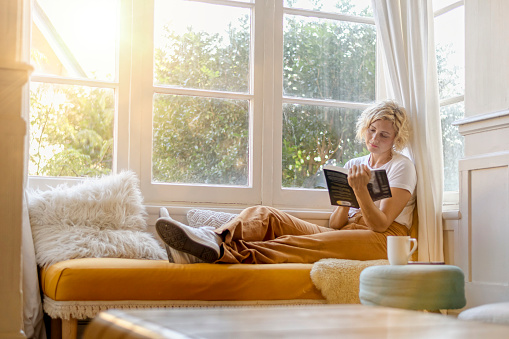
{"points": [[405, 30]]}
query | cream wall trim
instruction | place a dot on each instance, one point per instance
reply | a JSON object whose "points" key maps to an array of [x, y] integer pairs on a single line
{"points": [[485, 134], [13, 76], [483, 123], [482, 233], [12, 134]]}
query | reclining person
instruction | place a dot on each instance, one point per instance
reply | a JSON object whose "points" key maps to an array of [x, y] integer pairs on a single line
{"points": [[266, 235]]}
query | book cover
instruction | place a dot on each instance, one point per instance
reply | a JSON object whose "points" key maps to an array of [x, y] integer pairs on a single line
{"points": [[342, 194]]}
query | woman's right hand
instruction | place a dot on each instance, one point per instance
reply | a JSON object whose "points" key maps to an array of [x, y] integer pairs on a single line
{"points": [[358, 177]]}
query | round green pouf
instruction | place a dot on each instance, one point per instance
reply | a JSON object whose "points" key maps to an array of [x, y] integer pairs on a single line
{"points": [[413, 287]]}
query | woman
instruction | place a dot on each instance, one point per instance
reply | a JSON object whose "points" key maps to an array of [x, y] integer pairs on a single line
{"points": [[265, 235]]}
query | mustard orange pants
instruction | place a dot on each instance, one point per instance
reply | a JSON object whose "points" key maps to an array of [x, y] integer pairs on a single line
{"points": [[266, 235]]}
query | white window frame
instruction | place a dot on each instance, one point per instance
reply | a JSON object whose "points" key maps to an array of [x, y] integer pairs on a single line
{"points": [[450, 198]]}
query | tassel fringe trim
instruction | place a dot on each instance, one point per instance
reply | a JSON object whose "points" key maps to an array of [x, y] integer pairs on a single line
{"points": [[88, 309]]}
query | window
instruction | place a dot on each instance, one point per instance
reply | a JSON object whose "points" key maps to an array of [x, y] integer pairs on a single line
{"points": [[329, 76], [201, 137], [450, 47], [210, 102], [74, 87]]}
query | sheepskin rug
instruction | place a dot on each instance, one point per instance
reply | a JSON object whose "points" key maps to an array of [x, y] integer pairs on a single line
{"points": [[103, 217], [338, 279]]}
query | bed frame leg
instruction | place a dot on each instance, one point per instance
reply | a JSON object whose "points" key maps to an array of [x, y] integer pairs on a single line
{"points": [[56, 328], [70, 328]]}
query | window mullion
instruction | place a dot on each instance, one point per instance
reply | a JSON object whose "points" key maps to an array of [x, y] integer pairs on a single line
{"points": [[50, 79], [331, 16], [326, 103], [448, 8], [141, 90], [452, 100], [202, 93], [121, 140], [272, 98]]}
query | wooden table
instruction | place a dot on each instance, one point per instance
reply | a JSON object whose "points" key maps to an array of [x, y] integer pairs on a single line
{"points": [[322, 321]]}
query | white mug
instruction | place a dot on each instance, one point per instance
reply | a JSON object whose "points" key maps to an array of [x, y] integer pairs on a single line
{"points": [[398, 249]]}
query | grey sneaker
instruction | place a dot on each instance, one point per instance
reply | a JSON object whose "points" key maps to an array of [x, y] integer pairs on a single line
{"points": [[175, 256], [178, 257], [200, 242]]}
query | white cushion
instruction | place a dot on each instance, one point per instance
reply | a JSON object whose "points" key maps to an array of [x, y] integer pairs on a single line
{"points": [[492, 313], [104, 217], [199, 218]]}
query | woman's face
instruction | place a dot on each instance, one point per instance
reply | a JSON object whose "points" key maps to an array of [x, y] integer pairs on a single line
{"points": [[380, 136]]}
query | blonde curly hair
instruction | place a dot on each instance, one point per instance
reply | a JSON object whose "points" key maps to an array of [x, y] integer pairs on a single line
{"points": [[386, 110]]}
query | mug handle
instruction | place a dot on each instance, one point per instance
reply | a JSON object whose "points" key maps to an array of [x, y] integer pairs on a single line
{"points": [[414, 247]]}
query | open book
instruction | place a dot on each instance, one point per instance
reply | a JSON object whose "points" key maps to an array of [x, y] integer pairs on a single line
{"points": [[342, 194]]}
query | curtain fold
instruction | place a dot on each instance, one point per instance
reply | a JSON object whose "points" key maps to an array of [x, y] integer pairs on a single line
{"points": [[405, 30]]}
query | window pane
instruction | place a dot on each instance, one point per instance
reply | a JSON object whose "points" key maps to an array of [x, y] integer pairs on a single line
{"points": [[201, 45], [450, 50], [200, 140], [351, 7], [75, 38], [314, 136], [71, 130], [327, 59], [452, 143]]}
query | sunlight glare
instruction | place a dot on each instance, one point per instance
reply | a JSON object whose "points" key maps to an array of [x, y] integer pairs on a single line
{"points": [[89, 28], [180, 15]]}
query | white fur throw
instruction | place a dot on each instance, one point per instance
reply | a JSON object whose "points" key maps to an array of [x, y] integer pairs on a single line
{"points": [[338, 279], [104, 217], [198, 218]]}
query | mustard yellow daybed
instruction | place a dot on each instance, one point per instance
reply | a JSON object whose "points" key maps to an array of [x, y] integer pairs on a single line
{"points": [[80, 288]]}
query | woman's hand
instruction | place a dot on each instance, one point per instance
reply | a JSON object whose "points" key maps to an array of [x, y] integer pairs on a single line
{"points": [[358, 177]]}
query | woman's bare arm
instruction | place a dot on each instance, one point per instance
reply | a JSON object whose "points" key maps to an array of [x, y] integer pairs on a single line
{"points": [[339, 217]]}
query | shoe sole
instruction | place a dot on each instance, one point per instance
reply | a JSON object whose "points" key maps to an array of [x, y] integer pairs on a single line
{"points": [[176, 237]]}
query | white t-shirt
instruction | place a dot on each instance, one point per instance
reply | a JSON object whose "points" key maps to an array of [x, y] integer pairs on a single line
{"points": [[401, 174]]}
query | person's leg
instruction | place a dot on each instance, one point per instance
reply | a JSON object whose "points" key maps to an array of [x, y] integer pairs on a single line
{"points": [[257, 223], [354, 241], [262, 223]]}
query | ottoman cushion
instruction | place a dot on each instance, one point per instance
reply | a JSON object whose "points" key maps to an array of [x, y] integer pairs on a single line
{"points": [[416, 287]]}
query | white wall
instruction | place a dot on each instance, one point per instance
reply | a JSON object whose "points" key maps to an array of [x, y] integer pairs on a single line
{"points": [[487, 56]]}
